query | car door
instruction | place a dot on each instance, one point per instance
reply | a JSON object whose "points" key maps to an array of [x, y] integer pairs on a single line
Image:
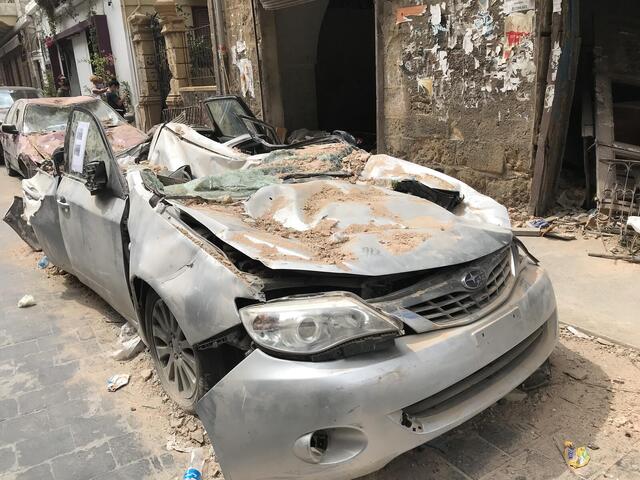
{"points": [[91, 222]]}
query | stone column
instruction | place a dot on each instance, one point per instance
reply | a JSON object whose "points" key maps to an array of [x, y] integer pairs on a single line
{"points": [[149, 108], [173, 31]]}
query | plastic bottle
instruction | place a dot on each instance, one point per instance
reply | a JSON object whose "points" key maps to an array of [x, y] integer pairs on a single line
{"points": [[44, 262], [194, 471]]}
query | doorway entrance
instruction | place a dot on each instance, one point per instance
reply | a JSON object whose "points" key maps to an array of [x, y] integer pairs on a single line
{"points": [[326, 65]]}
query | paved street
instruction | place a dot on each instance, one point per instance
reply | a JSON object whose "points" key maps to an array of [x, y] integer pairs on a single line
{"points": [[57, 420]]}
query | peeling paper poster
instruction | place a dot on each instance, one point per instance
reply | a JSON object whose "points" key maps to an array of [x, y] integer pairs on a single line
{"points": [[403, 14], [246, 77], [511, 6], [79, 146], [557, 6]]}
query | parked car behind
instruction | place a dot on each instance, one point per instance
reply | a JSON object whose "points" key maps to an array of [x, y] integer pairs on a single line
{"points": [[321, 308], [34, 128], [8, 95]]}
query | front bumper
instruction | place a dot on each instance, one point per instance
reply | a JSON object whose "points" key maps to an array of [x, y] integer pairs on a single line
{"points": [[257, 413]]}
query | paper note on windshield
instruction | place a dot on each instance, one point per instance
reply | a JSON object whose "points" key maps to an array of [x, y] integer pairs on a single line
{"points": [[79, 145]]}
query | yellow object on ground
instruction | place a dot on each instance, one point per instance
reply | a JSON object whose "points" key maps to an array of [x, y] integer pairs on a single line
{"points": [[575, 457]]}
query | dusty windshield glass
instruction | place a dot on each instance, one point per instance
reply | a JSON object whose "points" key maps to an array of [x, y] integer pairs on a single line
{"points": [[52, 118]]}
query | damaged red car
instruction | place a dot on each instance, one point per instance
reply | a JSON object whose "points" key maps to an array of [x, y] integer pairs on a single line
{"points": [[34, 128]]}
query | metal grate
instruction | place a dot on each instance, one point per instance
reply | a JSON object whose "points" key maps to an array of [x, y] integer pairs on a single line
{"points": [[160, 61], [194, 116], [459, 304], [200, 52]]}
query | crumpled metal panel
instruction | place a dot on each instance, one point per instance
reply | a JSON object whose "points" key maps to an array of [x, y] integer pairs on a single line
{"points": [[175, 145], [196, 281], [475, 206], [340, 227], [278, 4]]}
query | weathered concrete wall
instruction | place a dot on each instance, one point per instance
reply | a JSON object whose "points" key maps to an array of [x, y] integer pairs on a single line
{"points": [[459, 90], [242, 45]]}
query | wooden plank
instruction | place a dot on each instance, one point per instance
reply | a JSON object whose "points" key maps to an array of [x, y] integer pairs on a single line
{"points": [[553, 132]]}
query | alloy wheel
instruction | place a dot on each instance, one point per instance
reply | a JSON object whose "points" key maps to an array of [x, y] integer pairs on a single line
{"points": [[176, 356]]}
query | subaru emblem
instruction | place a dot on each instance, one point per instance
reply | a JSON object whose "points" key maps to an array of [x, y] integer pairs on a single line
{"points": [[474, 279]]}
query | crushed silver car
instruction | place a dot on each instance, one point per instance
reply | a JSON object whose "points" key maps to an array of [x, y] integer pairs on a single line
{"points": [[322, 309]]}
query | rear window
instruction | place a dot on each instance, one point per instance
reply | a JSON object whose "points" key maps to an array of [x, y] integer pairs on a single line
{"points": [[7, 97]]}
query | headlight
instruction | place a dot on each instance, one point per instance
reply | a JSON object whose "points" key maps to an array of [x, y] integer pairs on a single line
{"points": [[313, 324]]}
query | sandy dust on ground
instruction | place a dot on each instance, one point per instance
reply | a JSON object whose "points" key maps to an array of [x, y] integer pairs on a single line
{"points": [[593, 397]]}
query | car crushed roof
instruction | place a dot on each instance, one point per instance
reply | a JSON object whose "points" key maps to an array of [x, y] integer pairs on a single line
{"points": [[57, 101]]}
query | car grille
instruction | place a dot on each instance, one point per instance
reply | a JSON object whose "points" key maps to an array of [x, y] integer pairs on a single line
{"points": [[456, 305]]}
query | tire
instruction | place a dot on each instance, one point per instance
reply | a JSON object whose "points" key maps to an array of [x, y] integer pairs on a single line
{"points": [[180, 368]]}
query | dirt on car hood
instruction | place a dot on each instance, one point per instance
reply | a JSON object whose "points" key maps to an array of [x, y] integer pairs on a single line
{"points": [[341, 227]]}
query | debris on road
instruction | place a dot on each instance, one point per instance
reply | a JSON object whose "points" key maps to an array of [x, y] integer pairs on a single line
{"points": [[578, 333], [117, 381], [576, 374], [172, 444], [26, 301], [575, 457], [43, 263], [624, 258], [146, 374], [131, 343]]}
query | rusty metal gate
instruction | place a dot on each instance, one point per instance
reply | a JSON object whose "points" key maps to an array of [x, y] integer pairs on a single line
{"points": [[160, 60]]}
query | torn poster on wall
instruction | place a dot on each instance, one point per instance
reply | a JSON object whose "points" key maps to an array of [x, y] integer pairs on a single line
{"points": [[245, 67], [511, 6], [404, 14], [246, 77], [468, 48]]}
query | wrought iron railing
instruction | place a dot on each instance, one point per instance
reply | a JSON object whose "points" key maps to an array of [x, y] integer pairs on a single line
{"points": [[194, 116], [200, 55]]}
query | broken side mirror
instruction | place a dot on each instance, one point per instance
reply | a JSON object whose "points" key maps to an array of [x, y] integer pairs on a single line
{"points": [[10, 129], [58, 160], [96, 175]]}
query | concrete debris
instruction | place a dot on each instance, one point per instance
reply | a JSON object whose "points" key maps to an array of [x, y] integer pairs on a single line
{"points": [[575, 373], [130, 343], [26, 301], [173, 444], [604, 342], [197, 436], [176, 422], [578, 333], [146, 374]]}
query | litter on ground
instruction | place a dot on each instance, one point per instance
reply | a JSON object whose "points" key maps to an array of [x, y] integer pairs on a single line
{"points": [[117, 381], [26, 301]]}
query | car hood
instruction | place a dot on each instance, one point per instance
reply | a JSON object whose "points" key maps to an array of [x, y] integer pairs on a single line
{"points": [[335, 226]]}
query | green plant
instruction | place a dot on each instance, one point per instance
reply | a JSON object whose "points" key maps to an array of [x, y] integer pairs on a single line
{"points": [[126, 93], [102, 65], [49, 86]]}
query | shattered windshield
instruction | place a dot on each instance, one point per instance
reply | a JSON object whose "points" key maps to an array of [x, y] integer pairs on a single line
{"points": [[52, 118]]}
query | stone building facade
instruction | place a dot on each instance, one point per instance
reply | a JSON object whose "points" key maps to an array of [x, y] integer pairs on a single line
{"points": [[455, 82]]}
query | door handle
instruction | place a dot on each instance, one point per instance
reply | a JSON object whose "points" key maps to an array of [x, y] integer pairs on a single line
{"points": [[62, 202]]}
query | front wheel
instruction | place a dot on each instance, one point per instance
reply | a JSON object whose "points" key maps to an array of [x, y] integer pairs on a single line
{"points": [[178, 365], [10, 171]]}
